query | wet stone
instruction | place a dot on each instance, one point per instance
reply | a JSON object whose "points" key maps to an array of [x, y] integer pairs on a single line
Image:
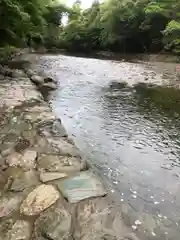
{"points": [[54, 223], [21, 230], [62, 164], [50, 176], [24, 180], [96, 219], [64, 148], [39, 199], [53, 129], [9, 204], [26, 160], [83, 186]]}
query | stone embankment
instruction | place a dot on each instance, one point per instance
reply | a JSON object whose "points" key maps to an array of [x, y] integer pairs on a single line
{"points": [[46, 189]]}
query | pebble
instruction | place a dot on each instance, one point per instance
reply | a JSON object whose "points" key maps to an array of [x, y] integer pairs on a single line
{"points": [[153, 234]]}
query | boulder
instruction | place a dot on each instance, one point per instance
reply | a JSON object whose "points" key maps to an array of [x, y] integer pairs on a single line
{"points": [[83, 186], [38, 80], [97, 219], [39, 199], [54, 223]]}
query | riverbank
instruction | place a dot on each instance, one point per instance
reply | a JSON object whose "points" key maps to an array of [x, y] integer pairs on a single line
{"points": [[46, 188]]}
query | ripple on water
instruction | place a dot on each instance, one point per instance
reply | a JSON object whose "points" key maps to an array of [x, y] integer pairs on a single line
{"points": [[126, 121]]}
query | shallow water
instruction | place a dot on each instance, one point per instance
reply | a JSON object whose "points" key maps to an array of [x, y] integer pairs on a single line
{"points": [[129, 132]]}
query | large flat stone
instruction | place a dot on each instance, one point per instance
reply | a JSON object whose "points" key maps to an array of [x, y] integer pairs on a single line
{"points": [[84, 185], [9, 204], [54, 223], [50, 176], [62, 164], [39, 199], [98, 219], [21, 230]]}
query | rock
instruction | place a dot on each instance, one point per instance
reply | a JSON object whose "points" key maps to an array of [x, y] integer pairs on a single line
{"points": [[37, 79], [39, 199], [21, 230], [22, 144], [49, 86], [50, 176], [5, 226], [30, 72], [61, 164], [18, 73], [166, 166], [13, 159], [64, 148], [49, 80], [25, 160], [24, 180], [9, 204], [52, 129], [84, 185], [54, 223], [28, 159], [97, 219]]}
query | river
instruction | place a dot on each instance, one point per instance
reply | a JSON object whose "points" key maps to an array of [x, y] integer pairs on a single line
{"points": [[124, 117]]}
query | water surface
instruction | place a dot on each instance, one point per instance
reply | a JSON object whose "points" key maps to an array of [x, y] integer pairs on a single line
{"points": [[124, 116]]}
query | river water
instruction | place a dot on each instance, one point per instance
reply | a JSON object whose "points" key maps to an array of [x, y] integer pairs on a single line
{"points": [[124, 117]]}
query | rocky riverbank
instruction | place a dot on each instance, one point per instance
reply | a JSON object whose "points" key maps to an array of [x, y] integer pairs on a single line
{"points": [[46, 188]]}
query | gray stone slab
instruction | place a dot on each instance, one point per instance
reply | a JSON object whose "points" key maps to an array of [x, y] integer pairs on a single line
{"points": [[82, 186]]}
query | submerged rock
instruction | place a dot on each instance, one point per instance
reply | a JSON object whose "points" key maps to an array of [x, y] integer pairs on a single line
{"points": [[54, 223], [82, 186], [96, 219], [39, 199]]}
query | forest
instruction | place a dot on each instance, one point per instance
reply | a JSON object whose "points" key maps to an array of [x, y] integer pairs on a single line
{"points": [[127, 26]]}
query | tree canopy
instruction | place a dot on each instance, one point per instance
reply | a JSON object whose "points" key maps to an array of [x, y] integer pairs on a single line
{"points": [[115, 25]]}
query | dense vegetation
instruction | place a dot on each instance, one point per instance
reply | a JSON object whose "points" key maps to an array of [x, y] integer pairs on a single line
{"points": [[115, 25]]}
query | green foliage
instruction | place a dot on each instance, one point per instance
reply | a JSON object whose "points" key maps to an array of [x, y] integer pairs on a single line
{"points": [[172, 36], [115, 25]]}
